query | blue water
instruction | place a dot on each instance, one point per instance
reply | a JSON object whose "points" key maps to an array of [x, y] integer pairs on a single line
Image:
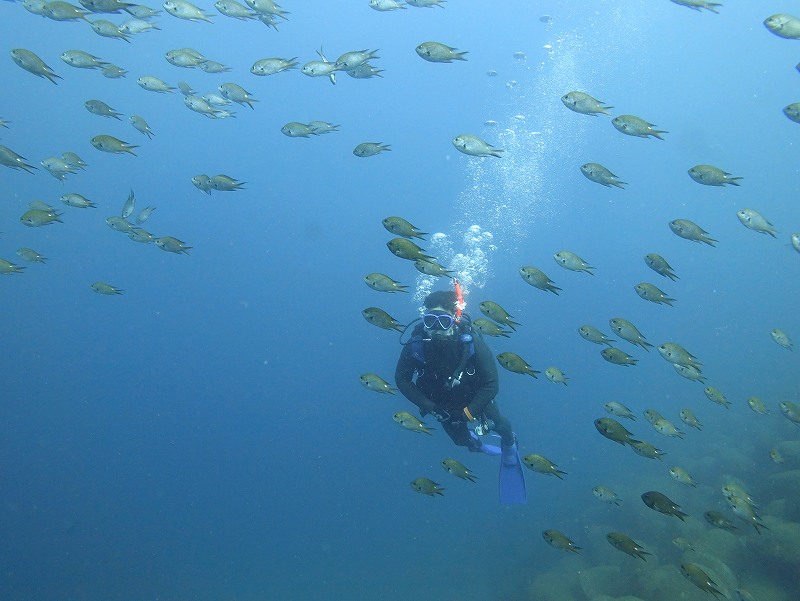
{"points": [[204, 435]]}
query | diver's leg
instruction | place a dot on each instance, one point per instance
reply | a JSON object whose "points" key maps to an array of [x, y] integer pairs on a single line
{"points": [[461, 435], [501, 425], [458, 432]]}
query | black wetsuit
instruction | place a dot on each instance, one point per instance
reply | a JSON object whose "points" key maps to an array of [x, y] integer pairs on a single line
{"points": [[430, 392]]}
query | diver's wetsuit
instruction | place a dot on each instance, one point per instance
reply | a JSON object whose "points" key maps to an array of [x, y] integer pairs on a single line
{"points": [[479, 385]]}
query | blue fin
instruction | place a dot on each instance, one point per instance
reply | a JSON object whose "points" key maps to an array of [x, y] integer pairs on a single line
{"points": [[488, 449], [482, 447], [512, 478]]}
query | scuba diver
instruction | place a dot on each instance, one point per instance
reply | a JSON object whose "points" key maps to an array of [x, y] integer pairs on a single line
{"points": [[456, 382]]}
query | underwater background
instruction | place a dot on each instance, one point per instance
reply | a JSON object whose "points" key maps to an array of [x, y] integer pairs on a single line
{"points": [[204, 435]]}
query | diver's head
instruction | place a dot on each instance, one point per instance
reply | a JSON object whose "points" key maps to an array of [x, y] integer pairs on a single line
{"points": [[440, 323], [439, 319]]}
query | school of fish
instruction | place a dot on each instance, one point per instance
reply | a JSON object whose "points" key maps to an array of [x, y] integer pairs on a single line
{"points": [[619, 345], [700, 566]]}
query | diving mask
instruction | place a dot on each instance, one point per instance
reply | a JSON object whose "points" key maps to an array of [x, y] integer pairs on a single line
{"points": [[438, 321]]}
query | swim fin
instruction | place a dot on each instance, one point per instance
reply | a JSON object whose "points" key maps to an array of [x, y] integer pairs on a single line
{"points": [[482, 447], [512, 478]]}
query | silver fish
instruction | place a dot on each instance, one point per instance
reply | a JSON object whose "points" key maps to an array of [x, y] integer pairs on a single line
{"points": [[127, 208]]}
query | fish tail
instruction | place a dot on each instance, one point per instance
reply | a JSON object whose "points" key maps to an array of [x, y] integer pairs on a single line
{"points": [[496, 152], [657, 133]]}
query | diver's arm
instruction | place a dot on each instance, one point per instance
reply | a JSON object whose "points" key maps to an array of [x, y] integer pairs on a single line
{"points": [[486, 369], [403, 377]]}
